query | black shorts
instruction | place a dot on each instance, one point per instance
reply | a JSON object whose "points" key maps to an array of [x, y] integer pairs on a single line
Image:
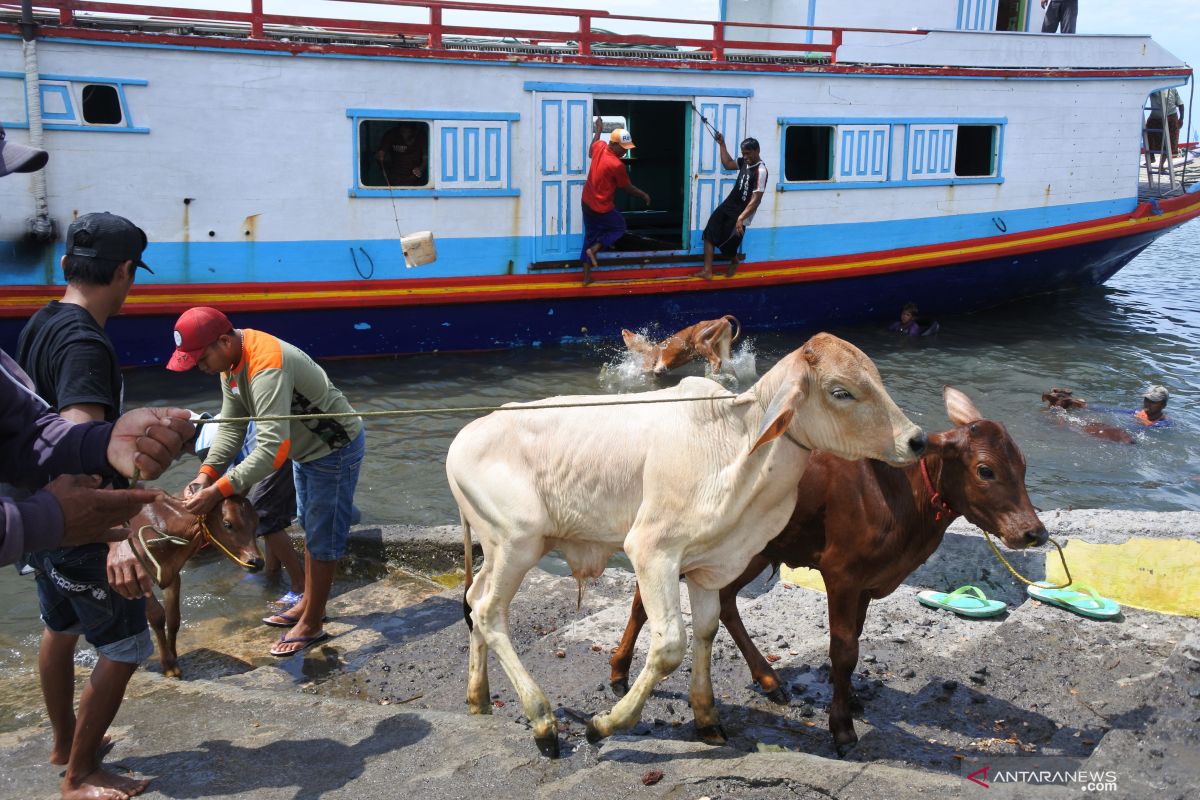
{"points": [[274, 500], [721, 231], [74, 597]]}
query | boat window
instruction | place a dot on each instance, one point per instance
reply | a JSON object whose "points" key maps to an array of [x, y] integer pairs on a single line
{"points": [[808, 153], [101, 104], [974, 155], [394, 153]]}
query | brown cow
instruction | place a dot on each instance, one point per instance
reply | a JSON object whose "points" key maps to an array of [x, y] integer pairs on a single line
{"points": [[1063, 398], [710, 340], [171, 535], [866, 526]]}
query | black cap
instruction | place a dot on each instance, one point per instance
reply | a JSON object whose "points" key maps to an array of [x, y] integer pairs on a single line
{"points": [[107, 236], [19, 157]]}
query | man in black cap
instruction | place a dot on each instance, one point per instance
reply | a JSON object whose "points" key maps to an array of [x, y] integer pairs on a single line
{"points": [[18, 157], [66, 351]]}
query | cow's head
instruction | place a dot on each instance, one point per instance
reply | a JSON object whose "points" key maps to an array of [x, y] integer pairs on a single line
{"points": [[1061, 398], [638, 343], [833, 399], [674, 351], [983, 475], [234, 525]]}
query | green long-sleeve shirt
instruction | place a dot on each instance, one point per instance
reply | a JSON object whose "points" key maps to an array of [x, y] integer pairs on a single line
{"points": [[275, 378]]}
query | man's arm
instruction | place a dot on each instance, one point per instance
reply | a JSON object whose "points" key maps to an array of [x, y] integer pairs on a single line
{"points": [[36, 444], [747, 213], [597, 129], [126, 575], [727, 161], [272, 392]]}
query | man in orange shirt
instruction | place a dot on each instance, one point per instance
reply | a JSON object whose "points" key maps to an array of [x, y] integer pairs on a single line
{"points": [[603, 225]]}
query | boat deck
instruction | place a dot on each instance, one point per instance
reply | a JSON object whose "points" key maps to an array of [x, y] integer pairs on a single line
{"points": [[1177, 179]]}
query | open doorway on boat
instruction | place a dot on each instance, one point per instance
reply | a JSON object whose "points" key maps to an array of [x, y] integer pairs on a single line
{"points": [[658, 166], [1010, 15]]}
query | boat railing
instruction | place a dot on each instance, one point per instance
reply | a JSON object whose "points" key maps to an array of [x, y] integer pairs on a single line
{"points": [[579, 38], [1177, 168]]}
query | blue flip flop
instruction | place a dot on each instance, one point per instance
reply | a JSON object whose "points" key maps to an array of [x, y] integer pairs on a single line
{"points": [[966, 601], [1083, 600]]}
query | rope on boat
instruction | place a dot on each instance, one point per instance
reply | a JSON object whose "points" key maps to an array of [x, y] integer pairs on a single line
{"points": [[411, 412]]}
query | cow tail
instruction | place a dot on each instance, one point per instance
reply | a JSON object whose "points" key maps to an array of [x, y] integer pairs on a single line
{"points": [[737, 327], [469, 569]]}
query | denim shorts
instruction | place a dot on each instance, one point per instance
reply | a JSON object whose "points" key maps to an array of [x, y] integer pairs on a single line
{"points": [[75, 598], [325, 498], [274, 500]]}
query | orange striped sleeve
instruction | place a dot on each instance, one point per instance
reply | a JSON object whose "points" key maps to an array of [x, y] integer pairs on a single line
{"points": [[210, 472], [281, 456], [260, 351], [225, 487]]}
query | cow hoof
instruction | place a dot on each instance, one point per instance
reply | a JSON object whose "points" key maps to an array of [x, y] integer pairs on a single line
{"points": [[778, 695], [593, 733], [844, 747], [173, 672], [620, 686], [712, 734], [548, 745]]}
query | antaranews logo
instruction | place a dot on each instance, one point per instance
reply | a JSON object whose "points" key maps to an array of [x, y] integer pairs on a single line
{"points": [[1038, 771]]}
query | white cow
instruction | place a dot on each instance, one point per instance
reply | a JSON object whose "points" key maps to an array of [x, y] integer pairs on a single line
{"points": [[691, 488]]}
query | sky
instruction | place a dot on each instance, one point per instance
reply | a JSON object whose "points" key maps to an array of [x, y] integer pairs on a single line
{"points": [[1174, 24]]}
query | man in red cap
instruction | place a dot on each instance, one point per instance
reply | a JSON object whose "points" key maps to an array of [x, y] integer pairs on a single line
{"points": [[603, 225], [262, 376]]}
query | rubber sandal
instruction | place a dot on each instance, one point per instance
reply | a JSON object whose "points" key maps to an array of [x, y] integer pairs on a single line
{"points": [[289, 599], [966, 601], [291, 621], [1083, 600], [308, 641]]}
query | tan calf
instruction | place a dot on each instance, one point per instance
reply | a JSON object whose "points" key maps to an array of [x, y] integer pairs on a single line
{"points": [[165, 535], [710, 340]]}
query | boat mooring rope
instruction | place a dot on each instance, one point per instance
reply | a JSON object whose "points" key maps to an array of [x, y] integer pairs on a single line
{"points": [[410, 412], [1021, 577]]}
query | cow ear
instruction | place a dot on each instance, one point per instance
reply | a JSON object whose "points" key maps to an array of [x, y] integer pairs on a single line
{"points": [[779, 414], [959, 407], [634, 341]]}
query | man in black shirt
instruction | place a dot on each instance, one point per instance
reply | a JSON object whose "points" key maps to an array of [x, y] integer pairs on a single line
{"points": [[97, 590], [728, 222]]}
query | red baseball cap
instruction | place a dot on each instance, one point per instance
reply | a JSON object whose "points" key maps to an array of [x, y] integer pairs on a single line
{"points": [[195, 330]]}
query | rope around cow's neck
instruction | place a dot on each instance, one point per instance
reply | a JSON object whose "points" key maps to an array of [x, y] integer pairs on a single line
{"points": [[1021, 577], [162, 537], [408, 412]]}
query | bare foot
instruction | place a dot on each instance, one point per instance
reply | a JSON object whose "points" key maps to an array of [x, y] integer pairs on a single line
{"points": [[731, 270], [103, 785], [704, 274], [61, 755]]}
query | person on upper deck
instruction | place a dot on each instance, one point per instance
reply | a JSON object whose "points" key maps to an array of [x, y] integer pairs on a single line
{"points": [[1060, 16], [265, 377], [1163, 102], [603, 225], [729, 221], [402, 156]]}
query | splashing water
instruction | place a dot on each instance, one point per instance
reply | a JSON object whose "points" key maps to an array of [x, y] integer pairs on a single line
{"points": [[623, 373]]}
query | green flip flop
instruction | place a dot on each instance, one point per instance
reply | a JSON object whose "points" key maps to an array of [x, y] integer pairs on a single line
{"points": [[966, 601], [1081, 599]]}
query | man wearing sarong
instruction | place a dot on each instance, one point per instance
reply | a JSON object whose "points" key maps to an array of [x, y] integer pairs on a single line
{"points": [[603, 225], [728, 222]]}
